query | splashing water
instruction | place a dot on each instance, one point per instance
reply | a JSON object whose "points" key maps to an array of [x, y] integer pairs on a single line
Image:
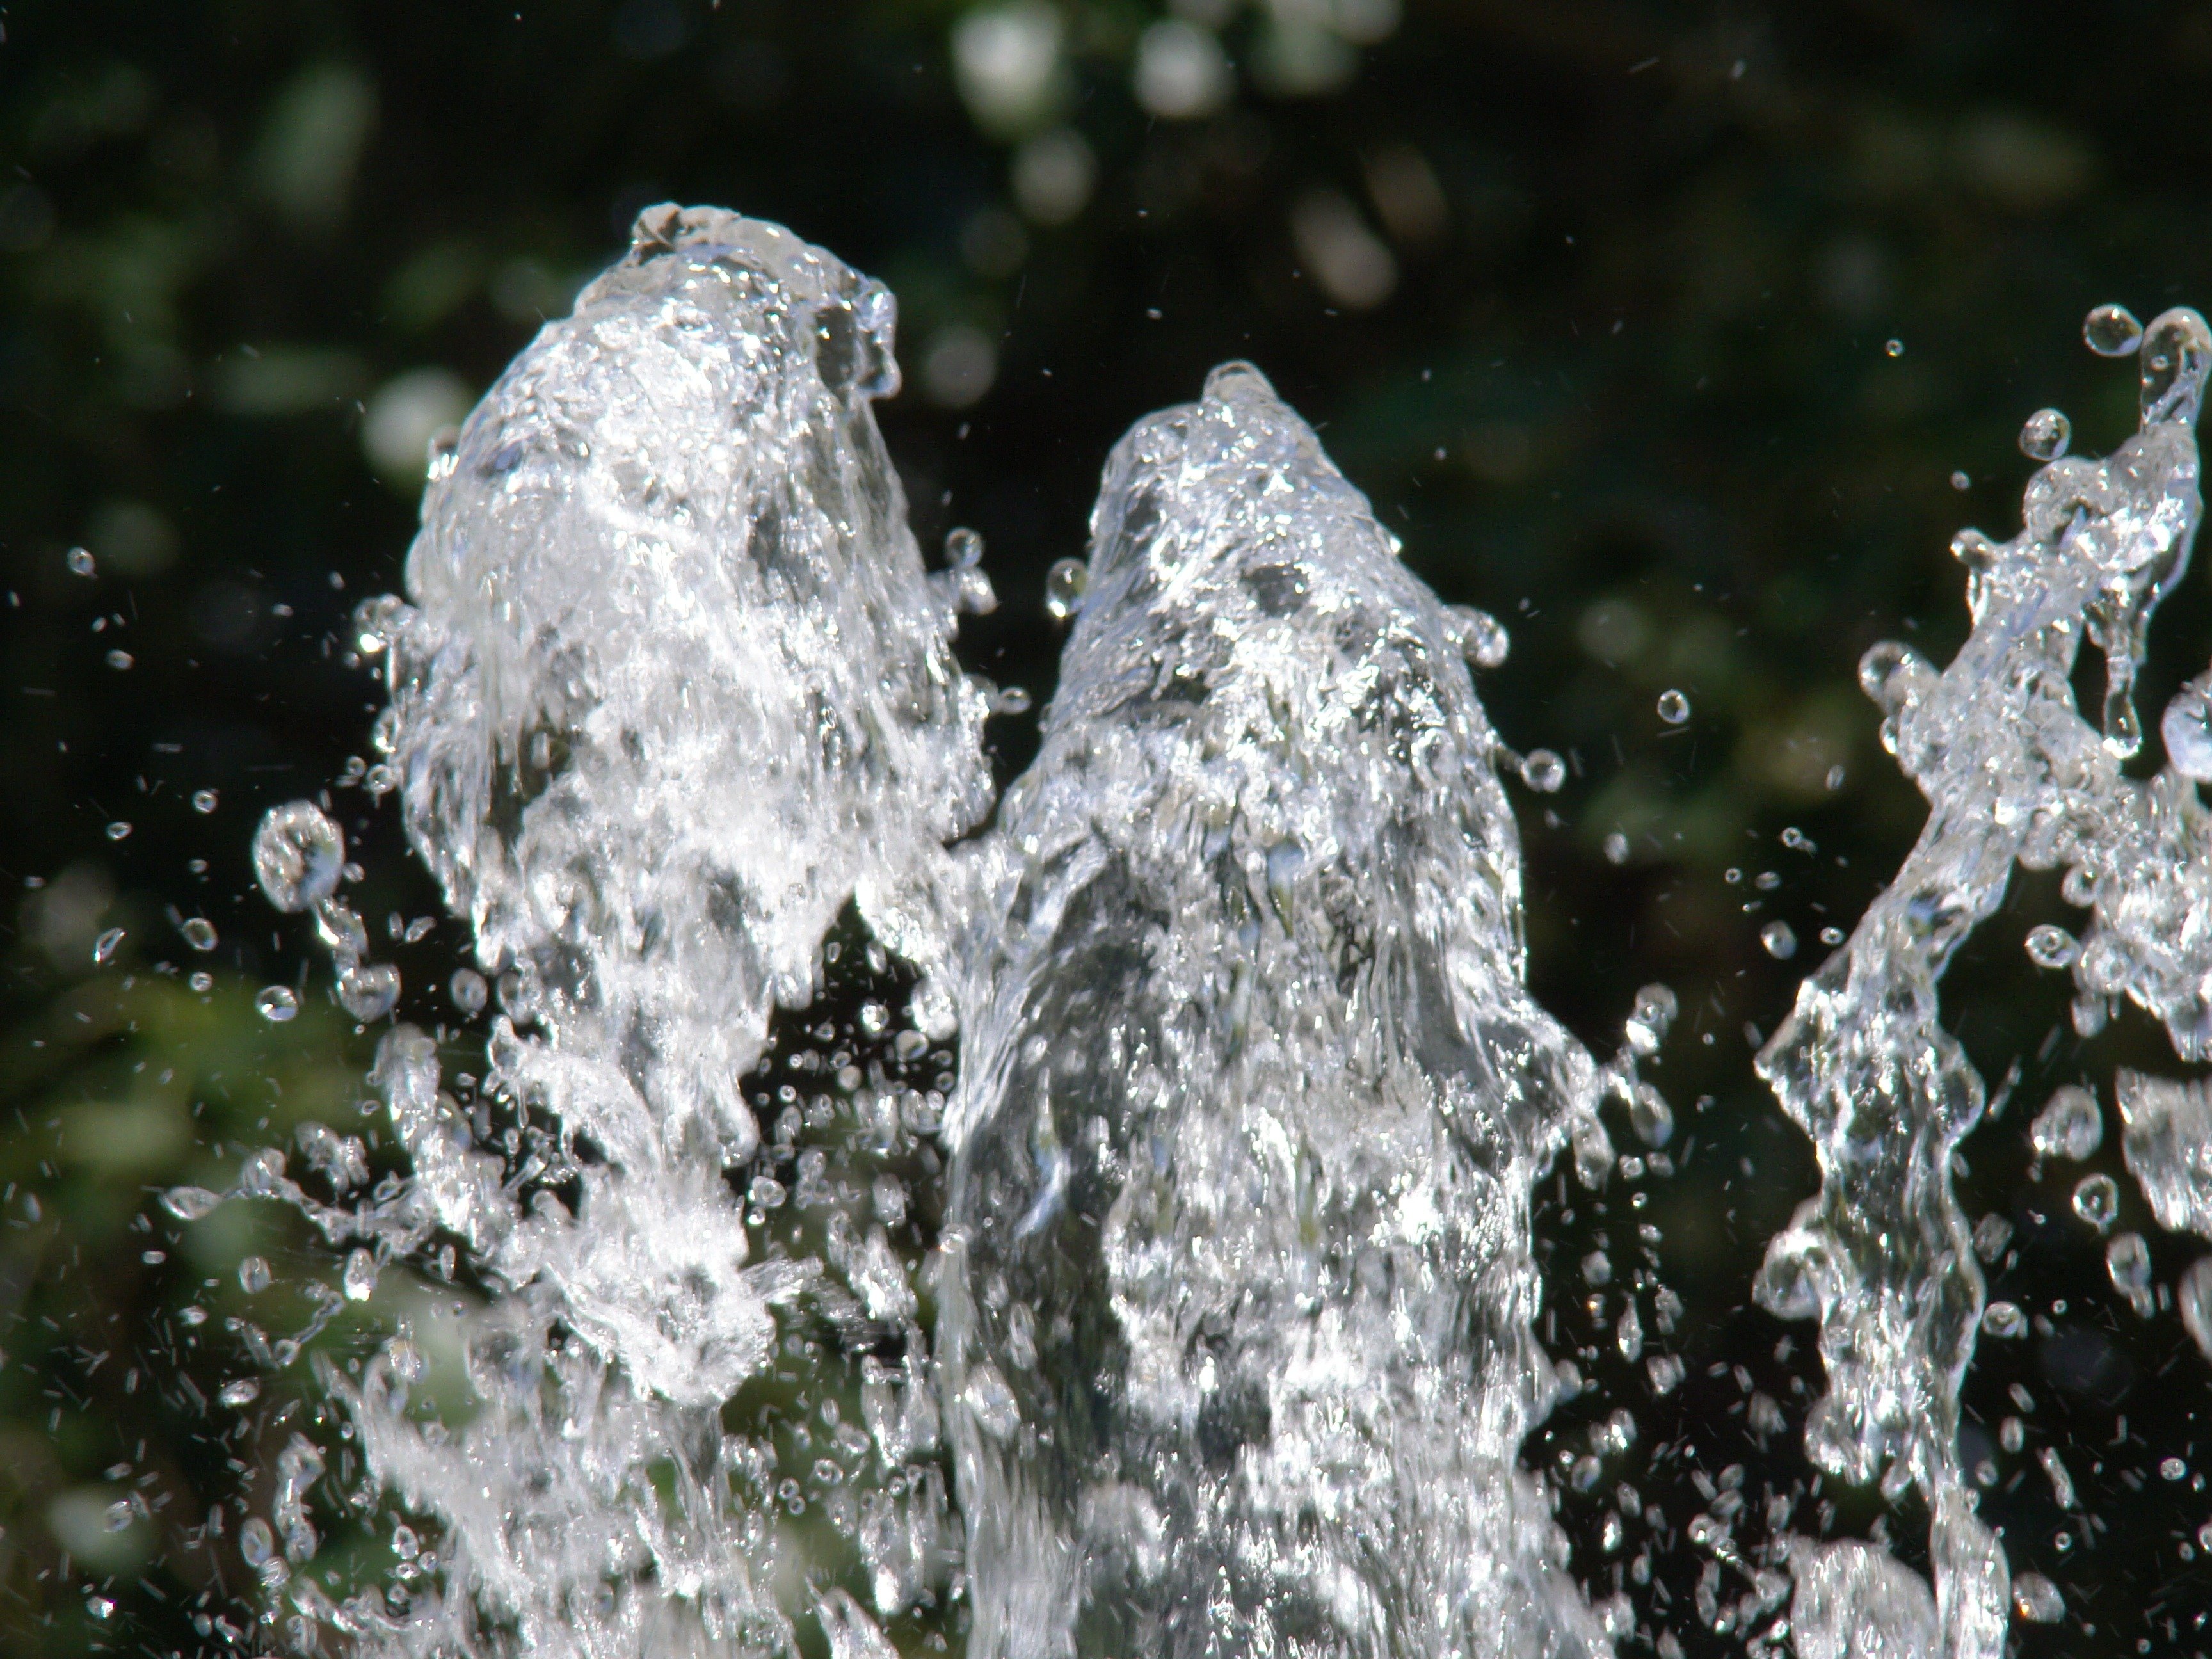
{"points": [[2012, 773], [1237, 1351]]}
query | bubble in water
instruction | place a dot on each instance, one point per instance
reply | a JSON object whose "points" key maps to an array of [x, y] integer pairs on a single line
{"points": [[1961, 481], [201, 981], [359, 1278], [253, 1275], [1064, 585], [2112, 332], [1893, 349], [299, 854], [468, 990], [1543, 771], [1780, 941], [276, 1004], [119, 831], [2005, 1320], [1674, 707], [199, 934], [2186, 726], [2068, 1127], [1616, 847], [2049, 946], [81, 563], [2097, 1201], [964, 549], [2045, 435], [189, 1203], [104, 947], [204, 801], [368, 991], [1010, 700], [2038, 1598]]}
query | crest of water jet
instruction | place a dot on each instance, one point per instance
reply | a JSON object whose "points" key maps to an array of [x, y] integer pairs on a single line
{"points": [[1235, 1341], [2013, 773], [670, 689]]}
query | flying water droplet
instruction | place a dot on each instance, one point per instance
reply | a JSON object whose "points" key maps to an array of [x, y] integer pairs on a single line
{"points": [[1650, 1117], [2037, 1599], [2068, 1127], [2045, 435], [1482, 639], [1543, 771], [1962, 481], [2127, 1259], [276, 1004], [1674, 707], [1616, 847], [1010, 700], [189, 1203], [120, 660], [104, 947], [2050, 946], [201, 981], [199, 934], [2186, 726], [204, 801], [1832, 935], [119, 831], [368, 991], [253, 1275], [468, 991], [1779, 940], [2097, 1201], [359, 1278], [2192, 1293], [1064, 585], [2111, 330], [298, 855], [1894, 347], [81, 562], [964, 549], [2004, 1320]]}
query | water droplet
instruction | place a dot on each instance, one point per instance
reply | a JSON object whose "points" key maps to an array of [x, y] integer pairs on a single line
{"points": [[2068, 1127], [1482, 640], [199, 934], [1674, 707], [253, 1275], [189, 1203], [1835, 779], [204, 801], [360, 1279], [118, 1517], [1010, 700], [1780, 941], [2049, 946], [104, 947], [2003, 1319], [80, 561], [119, 831], [2112, 332], [2045, 435], [2097, 1201], [1832, 935], [120, 661], [256, 1542], [2127, 1259], [2186, 726], [244, 1392], [202, 982], [1961, 481], [1650, 1117], [298, 855], [1616, 848], [2038, 1598], [468, 991], [1797, 840], [276, 1004], [1543, 771], [1064, 585], [964, 549], [368, 991], [1892, 348]]}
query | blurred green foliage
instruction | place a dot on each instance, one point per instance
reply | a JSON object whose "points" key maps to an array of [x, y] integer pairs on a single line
{"points": [[1680, 336]]}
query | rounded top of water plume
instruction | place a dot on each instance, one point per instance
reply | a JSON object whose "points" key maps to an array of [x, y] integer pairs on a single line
{"points": [[298, 855], [2111, 330], [2176, 353]]}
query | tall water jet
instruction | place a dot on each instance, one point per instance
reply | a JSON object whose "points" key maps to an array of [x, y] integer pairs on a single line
{"points": [[1236, 1342], [2013, 773], [673, 690]]}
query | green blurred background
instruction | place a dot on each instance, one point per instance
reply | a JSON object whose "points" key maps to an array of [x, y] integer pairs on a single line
{"points": [[1679, 336]]}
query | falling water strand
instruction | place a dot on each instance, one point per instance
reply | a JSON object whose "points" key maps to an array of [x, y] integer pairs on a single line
{"points": [[671, 691], [2013, 773], [1236, 1336]]}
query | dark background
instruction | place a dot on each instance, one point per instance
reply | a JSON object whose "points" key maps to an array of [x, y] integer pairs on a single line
{"points": [[1680, 337]]}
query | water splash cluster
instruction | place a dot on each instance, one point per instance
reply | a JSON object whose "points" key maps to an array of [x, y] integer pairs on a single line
{"points": [[2013, 775]]}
